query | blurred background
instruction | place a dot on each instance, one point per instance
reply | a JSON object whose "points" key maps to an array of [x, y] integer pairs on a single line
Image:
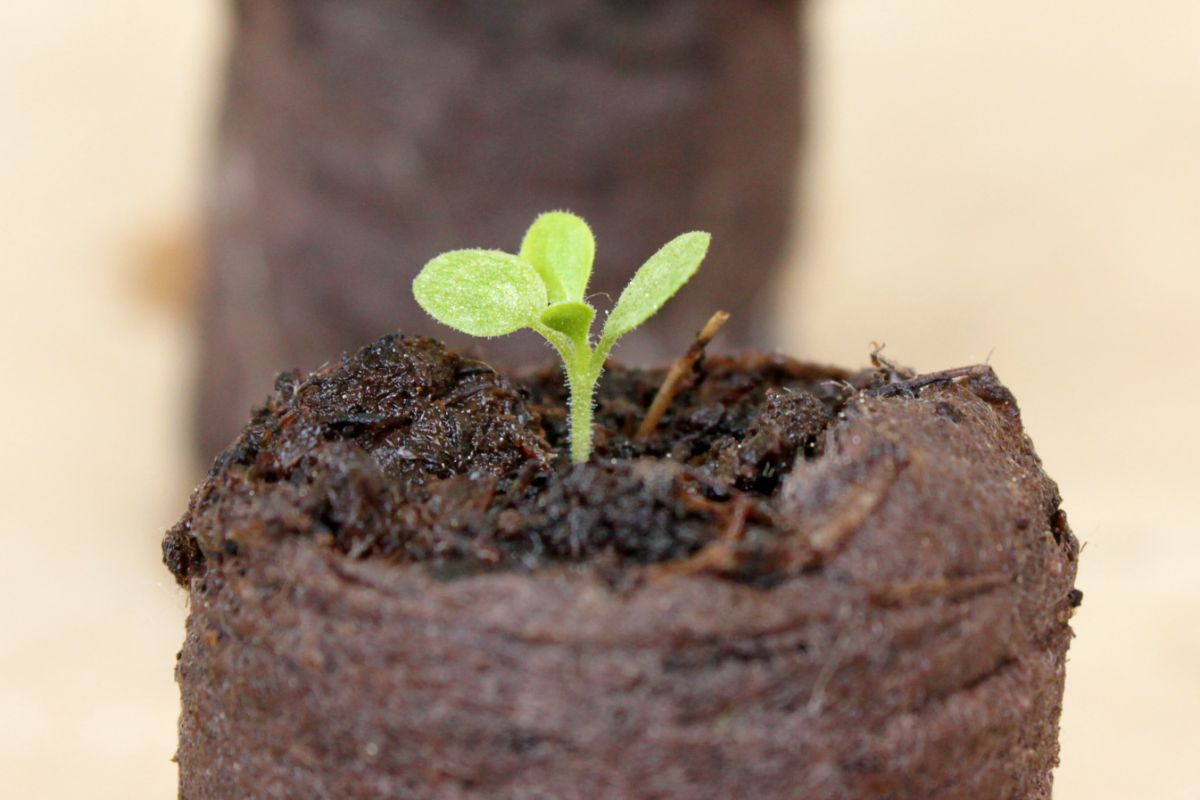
{"points": [[1002, 179]]}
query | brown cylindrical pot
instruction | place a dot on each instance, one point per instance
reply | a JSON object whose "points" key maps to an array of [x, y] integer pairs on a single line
{"points": [[916, 651]]}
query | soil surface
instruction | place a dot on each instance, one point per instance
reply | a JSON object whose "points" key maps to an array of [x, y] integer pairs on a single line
{"points": [[410, 453], [806, 583]]}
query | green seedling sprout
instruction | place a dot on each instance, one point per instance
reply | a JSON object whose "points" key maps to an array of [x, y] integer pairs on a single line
{"points": [[493, 293]]}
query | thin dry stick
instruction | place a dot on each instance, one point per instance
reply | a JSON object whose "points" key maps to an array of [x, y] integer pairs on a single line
{"points": [[895, 594], [913, 385], [678, 371]]}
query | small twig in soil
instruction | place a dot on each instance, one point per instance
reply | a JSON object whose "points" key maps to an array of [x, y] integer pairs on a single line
{"points": [[892, 371], [735, 526], [678, 371], [897, 594], [855, 507], [717, 556], [912, 386]]}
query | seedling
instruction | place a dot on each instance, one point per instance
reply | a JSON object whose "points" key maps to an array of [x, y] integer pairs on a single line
{"points": [[493, 293]]}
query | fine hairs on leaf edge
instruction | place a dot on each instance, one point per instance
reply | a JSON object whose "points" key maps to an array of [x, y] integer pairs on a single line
{"points": [[492, 293]]}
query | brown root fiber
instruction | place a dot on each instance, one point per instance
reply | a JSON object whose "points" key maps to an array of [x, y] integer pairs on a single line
{"points": [[803, 583]]}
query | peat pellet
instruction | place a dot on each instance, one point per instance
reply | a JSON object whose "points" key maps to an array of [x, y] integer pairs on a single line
{"points": [[807, 582]]}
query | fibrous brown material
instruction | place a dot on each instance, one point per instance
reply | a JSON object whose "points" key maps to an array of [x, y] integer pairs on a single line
{"points": [[360, 138], [869, 602]]}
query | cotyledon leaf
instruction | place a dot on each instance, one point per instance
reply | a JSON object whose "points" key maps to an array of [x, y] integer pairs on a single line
{"points": [[481, 292], [655, 282]]}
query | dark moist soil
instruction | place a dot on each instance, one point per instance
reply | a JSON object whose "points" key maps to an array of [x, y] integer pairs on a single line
{"points": [[407, 452], [410, 453]]}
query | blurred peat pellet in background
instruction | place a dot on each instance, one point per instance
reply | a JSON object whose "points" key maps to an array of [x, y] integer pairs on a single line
{"points": [[359, 138]]}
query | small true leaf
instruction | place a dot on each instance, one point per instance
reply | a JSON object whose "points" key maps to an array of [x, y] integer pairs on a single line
{"points": [[561, 247], [481, 292], [657, 280], [570, 317]]}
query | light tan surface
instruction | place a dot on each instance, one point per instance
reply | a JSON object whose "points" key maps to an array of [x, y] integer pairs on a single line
{"points": [[1015, 178]]}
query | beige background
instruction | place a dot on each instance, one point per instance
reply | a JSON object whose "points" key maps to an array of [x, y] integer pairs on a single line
{"points": [[1013, 178]]}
